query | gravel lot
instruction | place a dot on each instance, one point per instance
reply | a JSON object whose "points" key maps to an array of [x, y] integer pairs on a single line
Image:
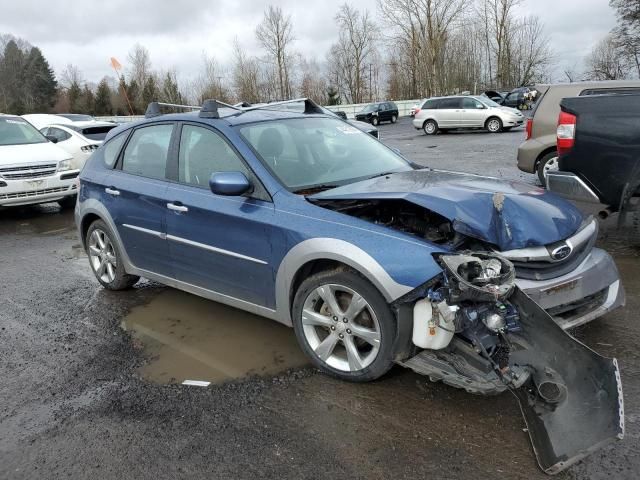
{"points": [[82, 397]]}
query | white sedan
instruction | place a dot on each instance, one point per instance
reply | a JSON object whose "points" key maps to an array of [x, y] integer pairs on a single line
{"points": [[79, 139]]}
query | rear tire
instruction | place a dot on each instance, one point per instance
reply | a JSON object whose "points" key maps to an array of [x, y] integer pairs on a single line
{"points": [[493, 124], [394, 119], [344, 325], [547, 163], [430, 127], [105, 258]]}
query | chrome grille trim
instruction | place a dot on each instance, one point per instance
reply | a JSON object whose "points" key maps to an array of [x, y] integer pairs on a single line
{"points": [[23, 172], [33, 193]]}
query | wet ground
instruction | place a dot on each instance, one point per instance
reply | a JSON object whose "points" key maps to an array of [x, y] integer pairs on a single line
{"points": [[92, 383]]}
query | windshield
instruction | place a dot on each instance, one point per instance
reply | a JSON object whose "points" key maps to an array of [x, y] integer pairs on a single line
{"points": [[313, 152], [15, 131], [369, 108], [488, 102]]}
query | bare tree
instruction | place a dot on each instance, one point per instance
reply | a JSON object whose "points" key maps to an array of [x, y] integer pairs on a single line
{"points": [[529, 52], [276, 36], [426, 25], [313, 83], [627, 33], [605, 62], [246, 75], [210, 83], [140, 73], [70, 76], [353, 54]]}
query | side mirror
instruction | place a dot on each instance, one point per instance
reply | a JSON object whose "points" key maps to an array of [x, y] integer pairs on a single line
{"points": [[229, 183], [51, 138]]}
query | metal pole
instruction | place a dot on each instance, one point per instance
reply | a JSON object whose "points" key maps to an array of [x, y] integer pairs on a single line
{"points": [[370, 92]]}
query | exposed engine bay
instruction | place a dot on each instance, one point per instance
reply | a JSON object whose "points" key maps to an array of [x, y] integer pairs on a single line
{"points": [[400, 215], [478, 331]]}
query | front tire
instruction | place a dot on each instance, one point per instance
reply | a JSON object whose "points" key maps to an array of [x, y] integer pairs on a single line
{"points": [[105, 258], [344, 325], [394, 119], [375, 121], [494, 125], [430, 127], [548, 163]]}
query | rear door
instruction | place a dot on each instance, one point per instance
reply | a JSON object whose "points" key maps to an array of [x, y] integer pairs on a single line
{"points": [[449, 112], [220, 243], [136, 196]]}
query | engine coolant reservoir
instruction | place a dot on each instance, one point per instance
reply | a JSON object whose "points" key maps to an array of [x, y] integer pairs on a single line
{"points": [[433, 326]]}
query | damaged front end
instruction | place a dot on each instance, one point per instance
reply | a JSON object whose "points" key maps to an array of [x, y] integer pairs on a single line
{"points": [[479, 332]]}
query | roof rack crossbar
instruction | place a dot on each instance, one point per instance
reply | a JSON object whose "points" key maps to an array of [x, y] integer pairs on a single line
{"points": [[309, 105], [153, 110]]}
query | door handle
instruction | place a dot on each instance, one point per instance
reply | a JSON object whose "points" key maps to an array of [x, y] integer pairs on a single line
{"points": [[177, 208], [112, 191]]}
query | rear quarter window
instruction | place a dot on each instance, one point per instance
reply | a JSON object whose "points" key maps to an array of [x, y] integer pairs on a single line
{"points": [[112, 149]]}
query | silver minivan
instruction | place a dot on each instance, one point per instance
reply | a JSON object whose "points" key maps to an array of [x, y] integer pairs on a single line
{"points": [[446, 113]]}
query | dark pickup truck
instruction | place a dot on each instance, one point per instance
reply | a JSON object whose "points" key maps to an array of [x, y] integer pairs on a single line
{"points": [[598, 140]]}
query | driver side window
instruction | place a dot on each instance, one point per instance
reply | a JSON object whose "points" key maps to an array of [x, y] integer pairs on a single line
{"points": [[203, 152]]}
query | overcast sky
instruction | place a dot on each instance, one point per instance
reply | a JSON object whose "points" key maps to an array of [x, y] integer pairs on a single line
{"points": [[178, 32]]}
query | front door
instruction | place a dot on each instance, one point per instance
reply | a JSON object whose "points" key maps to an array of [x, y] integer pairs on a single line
{"points": [[473, 113], [136, 197], [217, 242]]}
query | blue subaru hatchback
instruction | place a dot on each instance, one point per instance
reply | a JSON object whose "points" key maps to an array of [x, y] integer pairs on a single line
{"points": [[302, 218]]}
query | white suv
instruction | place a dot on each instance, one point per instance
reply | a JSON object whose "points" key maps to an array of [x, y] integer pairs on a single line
{"points": [[33, 169], [446, 113]]}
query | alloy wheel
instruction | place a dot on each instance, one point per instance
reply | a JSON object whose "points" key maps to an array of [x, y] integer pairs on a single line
{"points": [[102, 256], [493, 125], [341, 327], [550, 166]]}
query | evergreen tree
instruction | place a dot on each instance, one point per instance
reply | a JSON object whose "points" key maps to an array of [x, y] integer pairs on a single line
{"points": [[132, 92], [103, 99], [74, 94], [40, 83], [12, 79], [87, 101], [149, 92], [170, 91]]}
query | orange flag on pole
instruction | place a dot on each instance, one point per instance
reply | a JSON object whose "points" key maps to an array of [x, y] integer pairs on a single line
{"points": [[115, 64]]}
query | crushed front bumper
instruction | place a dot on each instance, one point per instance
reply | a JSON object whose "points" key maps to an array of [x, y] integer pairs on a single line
{"points": [[582, 295]]}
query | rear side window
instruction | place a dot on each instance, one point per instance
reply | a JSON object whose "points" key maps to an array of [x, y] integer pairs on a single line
{"points": [[112, 149], [430, 105], [611, 91], [203, 152], [147, 151], [448, 103], [59, 134]]}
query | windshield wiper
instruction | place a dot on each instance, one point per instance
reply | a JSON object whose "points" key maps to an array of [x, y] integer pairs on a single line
{"points": [[315, 189]]}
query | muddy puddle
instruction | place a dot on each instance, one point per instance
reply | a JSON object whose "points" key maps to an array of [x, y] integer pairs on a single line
{"points": [[190, 338]]}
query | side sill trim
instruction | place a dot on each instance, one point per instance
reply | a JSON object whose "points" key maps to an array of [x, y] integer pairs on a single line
{"points": [[209, 248], [203, 246]]}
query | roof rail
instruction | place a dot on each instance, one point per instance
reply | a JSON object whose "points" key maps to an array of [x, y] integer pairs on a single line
{"points": [[153, 110], [309, 105]]}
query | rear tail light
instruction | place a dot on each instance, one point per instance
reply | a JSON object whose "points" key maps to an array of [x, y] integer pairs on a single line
{"points": [[566, 132], [417, 111], [528, 128]]}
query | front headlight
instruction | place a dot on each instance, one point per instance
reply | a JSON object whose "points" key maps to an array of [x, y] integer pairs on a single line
{"points": [[64, 165]]}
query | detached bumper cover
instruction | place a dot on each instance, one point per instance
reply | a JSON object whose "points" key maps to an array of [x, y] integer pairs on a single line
{"points": [[572, 403]]}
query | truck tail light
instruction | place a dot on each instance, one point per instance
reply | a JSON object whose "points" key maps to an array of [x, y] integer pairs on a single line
{"points": [[566, 132], [528, 128]]}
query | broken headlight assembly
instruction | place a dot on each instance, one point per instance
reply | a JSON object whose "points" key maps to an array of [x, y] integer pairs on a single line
{"points": [[479, 332]]}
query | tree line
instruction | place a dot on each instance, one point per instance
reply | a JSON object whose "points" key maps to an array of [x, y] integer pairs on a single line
{"points": [[405, 49]]}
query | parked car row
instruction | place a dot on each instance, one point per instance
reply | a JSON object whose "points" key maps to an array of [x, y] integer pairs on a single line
{"points": [[42, 155]]}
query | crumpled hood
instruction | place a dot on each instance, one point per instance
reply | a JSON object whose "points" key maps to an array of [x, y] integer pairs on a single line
{"points": [[508, 214]]}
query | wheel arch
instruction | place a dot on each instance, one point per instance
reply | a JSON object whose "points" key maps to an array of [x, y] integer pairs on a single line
{"points": [[543, 153], [497, 117], [316, 254], [427, 119]]}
